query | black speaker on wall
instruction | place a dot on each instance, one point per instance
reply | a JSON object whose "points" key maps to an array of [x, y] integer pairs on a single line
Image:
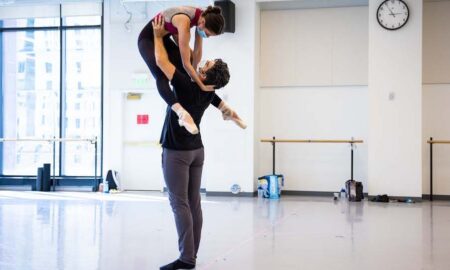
{"points": [[228, 13]]}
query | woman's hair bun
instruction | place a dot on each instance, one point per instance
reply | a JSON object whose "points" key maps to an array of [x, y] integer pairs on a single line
{"points": [[212, 9]]}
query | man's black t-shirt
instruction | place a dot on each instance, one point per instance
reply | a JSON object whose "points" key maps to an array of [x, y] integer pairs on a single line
{"points": [[193, 100]]}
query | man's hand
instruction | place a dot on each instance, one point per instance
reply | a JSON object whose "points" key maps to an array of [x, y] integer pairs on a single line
{"points": [[162, 59], [158, 27]]}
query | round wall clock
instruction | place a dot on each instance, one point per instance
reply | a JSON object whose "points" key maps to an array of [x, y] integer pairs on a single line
{"points": [[392, 14]]}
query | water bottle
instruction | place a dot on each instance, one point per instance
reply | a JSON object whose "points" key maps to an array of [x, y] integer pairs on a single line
{"points": [[342, 194], [260, 192], [106, 187]]}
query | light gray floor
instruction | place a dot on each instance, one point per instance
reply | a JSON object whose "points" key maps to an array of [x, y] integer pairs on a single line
{"points": [[127, 231]]}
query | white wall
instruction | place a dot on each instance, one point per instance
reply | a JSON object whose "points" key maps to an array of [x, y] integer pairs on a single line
{"points": [[257, 98], [436, 94], [436, 109], [395, 126], [312, 54], [324, 46], [122, 61], [314, 113], [230, 150]]}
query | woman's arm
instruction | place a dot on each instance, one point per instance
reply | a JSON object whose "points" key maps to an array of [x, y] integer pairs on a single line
{"points": [[197, 54], [182, 23]]}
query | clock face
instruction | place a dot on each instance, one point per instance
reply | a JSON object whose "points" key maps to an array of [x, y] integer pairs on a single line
{"points": [[392, 14]]}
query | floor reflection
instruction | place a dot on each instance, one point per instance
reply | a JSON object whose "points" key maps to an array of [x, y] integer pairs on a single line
{"points": [[135, 230]]}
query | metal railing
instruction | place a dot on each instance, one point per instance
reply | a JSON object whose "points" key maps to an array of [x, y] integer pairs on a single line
{"points": [[53, 141], [352, 143]]}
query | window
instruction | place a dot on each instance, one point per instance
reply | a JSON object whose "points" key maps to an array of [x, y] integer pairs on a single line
{"points": [[48, 67], [21, 68], [29, 34], [82, 20], [27, 23], [78, 44], [28, 46], [31, 95]]}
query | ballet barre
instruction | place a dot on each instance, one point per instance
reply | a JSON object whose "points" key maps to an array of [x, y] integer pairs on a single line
{"points": [[431, 142], [53, 141], [273, 141]]}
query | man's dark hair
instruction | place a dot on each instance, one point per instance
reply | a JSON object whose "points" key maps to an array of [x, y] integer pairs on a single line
{"points": [[218, 75]]}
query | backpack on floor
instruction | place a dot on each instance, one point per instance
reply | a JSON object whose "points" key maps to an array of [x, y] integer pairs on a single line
{"points": [[354, 190], [381, 198], [113, 180]]}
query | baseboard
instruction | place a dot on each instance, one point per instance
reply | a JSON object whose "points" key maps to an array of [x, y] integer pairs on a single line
{"points": [[416, 199], [307, 193], [229, 194], [29, 183], [202, 190], [73, 188], [436, 197], [16, 188], [311, 193]]}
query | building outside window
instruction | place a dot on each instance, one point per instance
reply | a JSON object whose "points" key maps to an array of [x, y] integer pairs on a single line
{"points": [[48, 67], [31, 93]]}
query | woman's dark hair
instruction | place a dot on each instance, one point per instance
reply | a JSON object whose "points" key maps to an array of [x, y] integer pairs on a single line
{"points": [[214, 20], [218, 75]]}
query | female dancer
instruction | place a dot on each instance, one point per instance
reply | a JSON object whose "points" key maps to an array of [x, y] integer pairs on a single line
{"points": [[177, 23]]}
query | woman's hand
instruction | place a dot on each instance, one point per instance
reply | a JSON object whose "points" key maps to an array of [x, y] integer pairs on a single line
{"points": [[207, 88], [158, 27]]}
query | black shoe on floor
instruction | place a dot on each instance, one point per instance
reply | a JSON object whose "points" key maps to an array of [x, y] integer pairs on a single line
{"points": [[177, 265]]}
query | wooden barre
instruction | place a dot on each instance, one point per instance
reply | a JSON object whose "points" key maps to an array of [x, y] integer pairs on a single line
{"points": [[438, 141], [312, 141]]}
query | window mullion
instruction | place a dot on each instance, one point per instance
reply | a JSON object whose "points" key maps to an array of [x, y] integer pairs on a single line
{"points": [[61, 86], [1, 101]]}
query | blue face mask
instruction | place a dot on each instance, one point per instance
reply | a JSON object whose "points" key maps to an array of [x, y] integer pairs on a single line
{"points": [[201, 33]]}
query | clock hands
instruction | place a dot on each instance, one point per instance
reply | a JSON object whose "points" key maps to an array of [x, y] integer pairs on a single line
{"points": [[392, 13]]}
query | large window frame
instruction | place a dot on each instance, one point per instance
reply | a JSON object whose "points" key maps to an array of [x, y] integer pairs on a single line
{"points": [[61, 179]]}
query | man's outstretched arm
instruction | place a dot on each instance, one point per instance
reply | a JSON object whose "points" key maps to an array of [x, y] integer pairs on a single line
{"points": [[162, 59]]}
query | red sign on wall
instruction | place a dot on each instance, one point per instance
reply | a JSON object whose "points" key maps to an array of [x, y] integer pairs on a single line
{"points": [[142, 119]]}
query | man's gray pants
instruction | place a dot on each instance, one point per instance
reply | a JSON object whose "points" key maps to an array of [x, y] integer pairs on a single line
{"points": [[182, 173]]}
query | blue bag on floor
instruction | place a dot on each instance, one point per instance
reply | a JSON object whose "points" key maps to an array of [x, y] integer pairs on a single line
{"points": [[271, 185]]}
